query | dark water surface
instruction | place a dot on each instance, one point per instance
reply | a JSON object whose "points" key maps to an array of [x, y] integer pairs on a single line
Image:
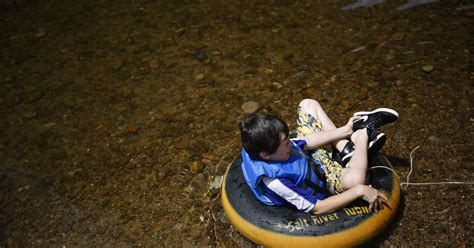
{"points": [[117, 116]]}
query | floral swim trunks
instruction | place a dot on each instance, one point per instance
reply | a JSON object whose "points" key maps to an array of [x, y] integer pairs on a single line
{"points": [[308, 124]]}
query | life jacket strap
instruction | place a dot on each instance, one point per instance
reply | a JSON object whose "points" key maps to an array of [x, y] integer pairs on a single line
{"points": [[314, 186], [321, 178], [316, 170]]}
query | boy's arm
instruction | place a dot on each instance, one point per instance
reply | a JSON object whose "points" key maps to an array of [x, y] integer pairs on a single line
{"points": [[318, 139], [335, 202]]}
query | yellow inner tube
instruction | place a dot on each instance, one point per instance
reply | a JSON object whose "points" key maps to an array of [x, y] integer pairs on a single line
{"points": [[344, 236]]}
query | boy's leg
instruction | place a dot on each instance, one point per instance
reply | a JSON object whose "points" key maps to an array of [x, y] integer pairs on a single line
{"points": [[356, 170], [311, 119], [313, 108]]}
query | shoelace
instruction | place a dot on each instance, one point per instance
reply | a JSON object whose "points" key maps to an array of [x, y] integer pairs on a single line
{"points": [[372, 133], [374, 123]]}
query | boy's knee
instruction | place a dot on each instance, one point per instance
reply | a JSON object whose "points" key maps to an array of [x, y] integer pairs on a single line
{"points": [[309, 104], [359, 179], [355, 178]]}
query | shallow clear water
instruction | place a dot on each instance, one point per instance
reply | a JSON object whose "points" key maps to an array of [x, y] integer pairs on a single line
{"points": [[117, 117]]}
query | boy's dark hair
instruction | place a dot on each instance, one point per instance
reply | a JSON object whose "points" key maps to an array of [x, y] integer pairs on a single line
{"points": [[262, 133]]}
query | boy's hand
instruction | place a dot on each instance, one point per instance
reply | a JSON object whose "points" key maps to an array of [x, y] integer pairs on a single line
{"points": [[350, 124], [373, 197]]}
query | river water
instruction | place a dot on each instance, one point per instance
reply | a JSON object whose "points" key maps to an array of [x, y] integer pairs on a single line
{"points": [[118, 118]]}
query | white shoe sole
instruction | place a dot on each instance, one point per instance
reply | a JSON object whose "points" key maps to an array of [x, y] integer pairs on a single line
{"points": [[371, 143], [391, 111], [347, 156]]}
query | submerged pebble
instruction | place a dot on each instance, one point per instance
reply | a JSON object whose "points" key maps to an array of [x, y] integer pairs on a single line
{"points": [[33, 97], [250, 107], [398, 36], [182, 143], [216, 183], [40, 34], [199, 76], [29, 114], [133, 128], [201, 56], [196, 167], [427, 68]]}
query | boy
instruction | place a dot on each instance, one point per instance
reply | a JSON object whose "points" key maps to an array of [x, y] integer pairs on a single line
{"points": [[300, 172]]}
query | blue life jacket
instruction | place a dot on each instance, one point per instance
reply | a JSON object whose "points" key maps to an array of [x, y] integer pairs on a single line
{"points": [[305, 175]]}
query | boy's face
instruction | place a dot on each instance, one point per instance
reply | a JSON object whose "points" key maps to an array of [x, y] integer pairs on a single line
{"points": [[283, 151]]}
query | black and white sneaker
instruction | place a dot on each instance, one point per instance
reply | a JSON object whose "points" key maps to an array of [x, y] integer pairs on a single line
{"points": [[376, 142], [374, 119], [346, 153]]}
